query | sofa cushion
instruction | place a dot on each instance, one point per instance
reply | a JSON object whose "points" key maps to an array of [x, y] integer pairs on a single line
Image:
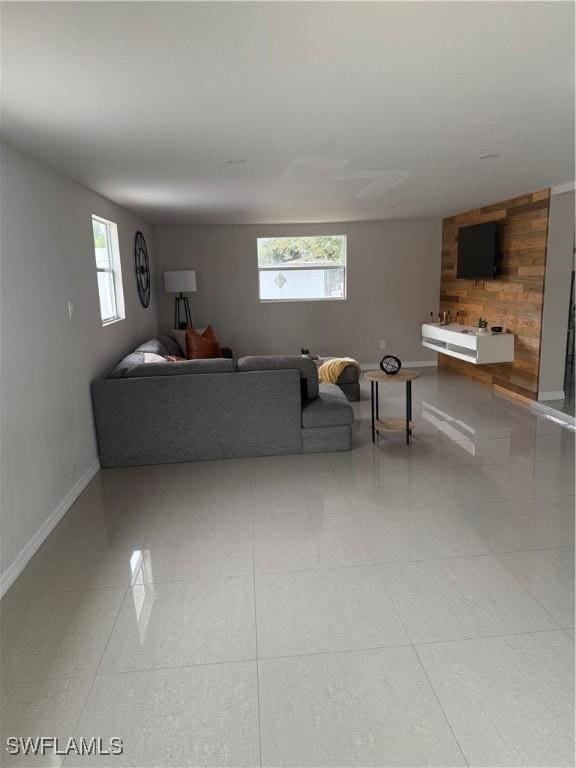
{"points": [[153, 345], [170, 368], [329, 409], [321, 439], [308, 371], [172, 346], [128, 362], [179, 335], [202, 346], [350, 375], [180, 339], [351, 390]]}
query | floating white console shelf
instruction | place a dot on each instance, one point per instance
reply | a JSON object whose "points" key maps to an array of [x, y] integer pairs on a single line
{"points": [[474, 347]]}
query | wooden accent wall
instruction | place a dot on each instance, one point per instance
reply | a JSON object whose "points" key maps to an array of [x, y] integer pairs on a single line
{"points": [[514, 299]]}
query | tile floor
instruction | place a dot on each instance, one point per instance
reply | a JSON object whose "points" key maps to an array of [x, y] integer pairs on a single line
{"points": [[391, 606]]}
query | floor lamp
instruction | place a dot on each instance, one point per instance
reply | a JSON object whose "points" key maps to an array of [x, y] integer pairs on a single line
{"points": [[181, 282]]}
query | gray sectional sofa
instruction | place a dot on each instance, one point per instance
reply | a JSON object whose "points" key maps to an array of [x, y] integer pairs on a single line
{"points": [[157, 412]]}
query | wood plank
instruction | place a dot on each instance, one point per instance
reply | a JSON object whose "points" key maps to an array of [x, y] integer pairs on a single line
{"points": [[533, 269], [392, 425], [514, 299]]}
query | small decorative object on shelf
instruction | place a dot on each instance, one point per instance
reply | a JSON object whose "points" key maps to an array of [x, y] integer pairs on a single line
{"points": [[482, 324], [496, 329], [390, 365], [443, 318]]}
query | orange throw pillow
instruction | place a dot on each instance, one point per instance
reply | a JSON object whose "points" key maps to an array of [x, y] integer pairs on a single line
{"points": [[201, 346]]}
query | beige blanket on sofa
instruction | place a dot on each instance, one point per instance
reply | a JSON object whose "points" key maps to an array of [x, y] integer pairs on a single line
{"points": [[329, 372]]}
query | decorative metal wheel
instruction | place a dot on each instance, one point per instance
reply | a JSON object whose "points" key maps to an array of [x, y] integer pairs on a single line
{"points": [[142, 269], [390, 364]]}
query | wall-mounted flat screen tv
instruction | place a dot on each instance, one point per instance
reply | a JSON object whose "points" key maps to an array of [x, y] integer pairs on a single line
{"points": [[477, 251]]}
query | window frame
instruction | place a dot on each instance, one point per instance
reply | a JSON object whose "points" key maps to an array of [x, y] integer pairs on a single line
{"points": [[303, 267], [114, 268]]}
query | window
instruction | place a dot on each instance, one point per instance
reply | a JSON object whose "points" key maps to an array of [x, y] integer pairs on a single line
{"points": [[302, 268], [108, 270]]}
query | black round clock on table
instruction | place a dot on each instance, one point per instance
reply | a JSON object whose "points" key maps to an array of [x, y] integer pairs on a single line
{"points": [[390, 364]]}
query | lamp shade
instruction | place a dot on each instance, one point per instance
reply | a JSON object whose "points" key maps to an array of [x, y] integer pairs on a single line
{"points": [[180, 281]]}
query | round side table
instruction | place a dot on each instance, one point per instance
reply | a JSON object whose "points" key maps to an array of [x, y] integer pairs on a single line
{"points": [[391, 425]]}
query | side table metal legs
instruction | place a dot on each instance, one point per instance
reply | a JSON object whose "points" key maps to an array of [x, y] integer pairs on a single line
{"points": [[372, 387], [408, 410], [374, 407]]}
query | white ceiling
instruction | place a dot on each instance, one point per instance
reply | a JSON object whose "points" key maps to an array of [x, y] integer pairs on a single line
{"points": [[339, 111]]}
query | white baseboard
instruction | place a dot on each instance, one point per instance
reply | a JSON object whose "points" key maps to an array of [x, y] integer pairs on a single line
{"points": [[553, 394], [564, 419], [569, 186], [9, 576], [407, 364]]}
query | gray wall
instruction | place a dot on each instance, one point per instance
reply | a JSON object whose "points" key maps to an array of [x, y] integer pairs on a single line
{"points": [[393, 285], [48, 361], [559, 264]]}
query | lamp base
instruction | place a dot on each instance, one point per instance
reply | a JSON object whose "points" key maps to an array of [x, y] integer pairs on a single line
{"points": [[181, 303]]}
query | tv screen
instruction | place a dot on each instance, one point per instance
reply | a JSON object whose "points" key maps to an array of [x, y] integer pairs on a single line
{"points": [[477, 251]]}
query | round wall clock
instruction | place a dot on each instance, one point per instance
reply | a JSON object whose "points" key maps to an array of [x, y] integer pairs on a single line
{"points": [[142, 269], [390, 364]]}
